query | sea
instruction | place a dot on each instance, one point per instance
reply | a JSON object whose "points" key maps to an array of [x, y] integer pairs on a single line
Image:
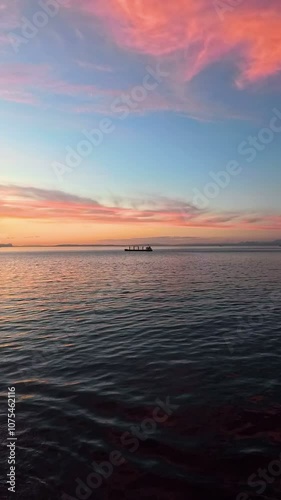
{"points": [[137, 375]]}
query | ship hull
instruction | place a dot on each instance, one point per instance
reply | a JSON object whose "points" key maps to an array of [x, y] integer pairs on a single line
{"points": [[127, 250]]}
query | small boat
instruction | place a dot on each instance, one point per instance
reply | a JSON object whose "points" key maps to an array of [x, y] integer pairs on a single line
{"points": [[139, 248]]}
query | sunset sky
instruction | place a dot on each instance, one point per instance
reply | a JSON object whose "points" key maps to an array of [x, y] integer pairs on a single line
{"points": [[118, 114]]}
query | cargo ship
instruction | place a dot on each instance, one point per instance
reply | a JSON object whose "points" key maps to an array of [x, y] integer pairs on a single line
{"points": [[139, 248]]}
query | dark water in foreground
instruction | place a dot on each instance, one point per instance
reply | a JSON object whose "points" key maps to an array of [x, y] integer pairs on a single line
{"points": [[95, 342]]}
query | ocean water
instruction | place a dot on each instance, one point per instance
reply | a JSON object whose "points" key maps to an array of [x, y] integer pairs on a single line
{"points": [[141, 375]]}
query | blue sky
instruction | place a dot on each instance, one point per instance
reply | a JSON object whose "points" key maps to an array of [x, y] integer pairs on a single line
{"points": [[218, 83]]}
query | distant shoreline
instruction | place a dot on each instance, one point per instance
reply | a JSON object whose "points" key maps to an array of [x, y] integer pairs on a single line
{"points": [[156, 245]]}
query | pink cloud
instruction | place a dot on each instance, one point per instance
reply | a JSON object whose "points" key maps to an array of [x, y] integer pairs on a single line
{"points": [[187, 36], [30, 84], [16, 81], [195, 30], [42, 204], [10, 14]]}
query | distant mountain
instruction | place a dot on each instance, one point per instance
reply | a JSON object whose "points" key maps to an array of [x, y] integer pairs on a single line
{"points": [[175, 242], [163, 241], [183, 241], [260, 243]]}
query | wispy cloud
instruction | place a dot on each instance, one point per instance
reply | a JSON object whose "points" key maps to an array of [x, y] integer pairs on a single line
{"points": [[32, 84], [36, 84], [91, 66], [188, 37], [194, 31], [41, 204]]}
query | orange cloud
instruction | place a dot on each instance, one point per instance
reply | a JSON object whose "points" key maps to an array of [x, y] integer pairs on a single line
{"points": [[57, 206], [194, 31]]}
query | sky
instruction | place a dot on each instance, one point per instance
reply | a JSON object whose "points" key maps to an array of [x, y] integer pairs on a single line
{"points": [[131, 120]]}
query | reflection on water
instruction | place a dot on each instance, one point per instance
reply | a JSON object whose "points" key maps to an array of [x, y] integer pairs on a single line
{"points": [[95, 341]]}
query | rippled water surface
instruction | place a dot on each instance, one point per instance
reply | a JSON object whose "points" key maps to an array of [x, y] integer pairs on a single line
{"points": [[171, 358]]}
